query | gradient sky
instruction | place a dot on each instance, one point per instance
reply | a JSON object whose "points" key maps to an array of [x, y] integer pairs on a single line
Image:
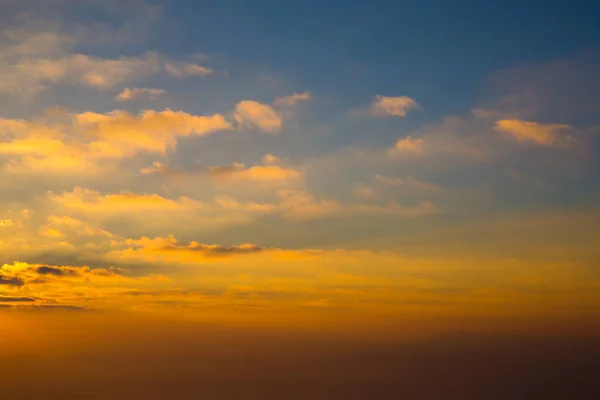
{"points": [[384, 171]]}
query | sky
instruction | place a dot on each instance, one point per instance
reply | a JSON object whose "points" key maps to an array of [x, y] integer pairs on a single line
{"points": [[321, 190]]}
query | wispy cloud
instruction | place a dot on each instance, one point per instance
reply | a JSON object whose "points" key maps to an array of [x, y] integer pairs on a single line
{"points": [[129, 94]]}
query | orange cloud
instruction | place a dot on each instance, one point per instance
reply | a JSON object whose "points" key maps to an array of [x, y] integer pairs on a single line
{"points": [[256, 173], [124, 202], [532, 132], [250, 113], [122, 134], [79, 142]]}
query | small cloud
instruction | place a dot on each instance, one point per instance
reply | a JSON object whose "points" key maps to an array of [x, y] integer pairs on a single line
{"points": [[292, 100], [385, 106], [129, 94], [256, 173], [409, 145], [250, 113], [160, 168], [270, 159], [187, 69]]}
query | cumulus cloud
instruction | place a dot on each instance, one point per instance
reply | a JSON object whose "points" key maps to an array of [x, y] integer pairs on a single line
{"points": [[129, 94], [252, 114], [80, 141], [387, 106], [121, 133], [292, 100]]}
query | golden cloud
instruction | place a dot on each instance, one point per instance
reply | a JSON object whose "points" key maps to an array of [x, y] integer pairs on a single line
{"points": [[250, 113], [532, 132]]}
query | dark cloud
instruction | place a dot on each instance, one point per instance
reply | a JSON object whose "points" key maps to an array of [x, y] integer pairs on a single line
{"points": [[14, 299], [11, 281], [112, 271], [214, 250], [60, 307], [56, 271]]}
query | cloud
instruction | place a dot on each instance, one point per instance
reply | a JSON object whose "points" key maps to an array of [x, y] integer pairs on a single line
{"points": [[409, 145], [257, 173], [298, 205], [56, 271], [252, 114], [79, 142], [532, 132], [171, 244], [270, 159], [121, 134], [161, 169], [10, 280], [235, 172], [386, 106], [129, 94], [459, 139], [181, 70], [34, 61], [31, 75], [292, 100], [124, 202], [16, 299]]}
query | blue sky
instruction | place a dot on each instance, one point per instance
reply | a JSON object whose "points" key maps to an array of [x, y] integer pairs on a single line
{"points": [[440, 50]]}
